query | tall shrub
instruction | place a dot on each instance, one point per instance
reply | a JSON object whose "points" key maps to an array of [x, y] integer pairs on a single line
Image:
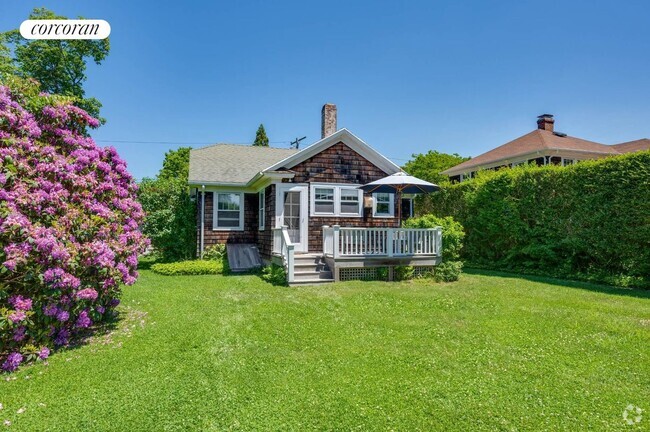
{"points": [[68, 225], [452, 243], [170, 221], [587, 221]]}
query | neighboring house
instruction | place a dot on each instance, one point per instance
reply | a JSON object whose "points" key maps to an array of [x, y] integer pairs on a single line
{"points": [[303, 208], [542, 146]]}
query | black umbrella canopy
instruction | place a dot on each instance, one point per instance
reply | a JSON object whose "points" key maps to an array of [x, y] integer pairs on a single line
{"points": [[400, 183]]}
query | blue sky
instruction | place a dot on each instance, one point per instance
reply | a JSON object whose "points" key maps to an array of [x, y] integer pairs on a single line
{"points": [[407, 77]]}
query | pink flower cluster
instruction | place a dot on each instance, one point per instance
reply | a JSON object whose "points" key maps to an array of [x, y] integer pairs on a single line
{"points": [[69, 227]]}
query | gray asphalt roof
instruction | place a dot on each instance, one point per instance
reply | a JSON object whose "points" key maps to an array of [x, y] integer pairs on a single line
{"points": [[232, 163]]}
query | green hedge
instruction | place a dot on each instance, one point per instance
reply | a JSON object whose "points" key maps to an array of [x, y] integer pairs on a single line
{"points": [[452, 243], [588, 221], [189, 268]]}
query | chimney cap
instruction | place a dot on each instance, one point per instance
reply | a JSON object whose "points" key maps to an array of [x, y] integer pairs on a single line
{"points": [[545, 116]]}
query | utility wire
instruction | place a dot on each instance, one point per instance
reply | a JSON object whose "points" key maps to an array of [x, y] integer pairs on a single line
{"points": [[203, 143], [180, 143]]}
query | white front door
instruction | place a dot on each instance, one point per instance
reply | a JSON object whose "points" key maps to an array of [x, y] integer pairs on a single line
{"points": [[291, 210]]}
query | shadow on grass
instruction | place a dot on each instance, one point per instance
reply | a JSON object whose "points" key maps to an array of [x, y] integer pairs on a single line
{"points": [[589, 286], [109, 332], [99, 330]]}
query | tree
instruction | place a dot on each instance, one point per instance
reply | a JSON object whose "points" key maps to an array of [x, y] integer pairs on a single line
{"points": [[58, 65], [170, 221], [428, 166], [7, 67], [261, 140], [176, 164]]}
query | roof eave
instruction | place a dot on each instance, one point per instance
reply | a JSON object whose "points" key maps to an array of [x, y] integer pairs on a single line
{"points": [[259, 177], [542, 152]]}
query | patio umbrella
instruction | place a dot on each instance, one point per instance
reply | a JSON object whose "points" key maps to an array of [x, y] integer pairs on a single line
{"points": [[400, 183]]}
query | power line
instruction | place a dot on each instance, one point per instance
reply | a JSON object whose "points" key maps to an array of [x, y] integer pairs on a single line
{"points": [[180, 142], [206, 143]]}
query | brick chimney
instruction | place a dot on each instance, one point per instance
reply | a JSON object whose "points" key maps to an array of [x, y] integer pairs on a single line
{"points": [[545, 122], [328, 120]]}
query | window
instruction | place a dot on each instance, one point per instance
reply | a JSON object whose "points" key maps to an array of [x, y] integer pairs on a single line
{"points": [[336, 200], [383, 205], [350, 201], [324, 200], [566, 162], [228, 211], [261, 210]]}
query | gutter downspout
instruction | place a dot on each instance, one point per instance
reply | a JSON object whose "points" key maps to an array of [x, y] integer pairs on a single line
{"points": [[202, 218]]}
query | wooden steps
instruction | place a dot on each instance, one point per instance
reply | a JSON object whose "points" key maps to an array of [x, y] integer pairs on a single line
{"points": [[310, 269]]}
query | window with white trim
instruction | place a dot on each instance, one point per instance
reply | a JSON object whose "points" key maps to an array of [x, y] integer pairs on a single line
{"points": [[336, 200], [350, 201], [383, 205], [228, 211], [324, 200], [261, 210]]}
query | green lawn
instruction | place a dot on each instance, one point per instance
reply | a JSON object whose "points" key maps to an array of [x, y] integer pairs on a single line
{"points": [[490, 352]]}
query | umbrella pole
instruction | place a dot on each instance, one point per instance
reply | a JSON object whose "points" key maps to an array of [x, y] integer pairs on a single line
{"points": [[399, 208]]}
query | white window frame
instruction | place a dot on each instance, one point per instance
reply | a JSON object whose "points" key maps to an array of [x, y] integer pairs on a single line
{"points": [[337, 188], [312, 203], [359, 201], [215, 210], [391, 206], [261, 211]]}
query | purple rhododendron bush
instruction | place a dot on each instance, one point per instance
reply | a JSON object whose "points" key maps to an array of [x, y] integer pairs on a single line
{"points": [[69, 222]]}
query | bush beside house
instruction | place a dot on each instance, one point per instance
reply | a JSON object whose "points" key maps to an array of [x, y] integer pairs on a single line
{"points": [[214, 261], [588, 221], [170, 214], [170, 221], [69, 224], [189, 268], [452, 243]]}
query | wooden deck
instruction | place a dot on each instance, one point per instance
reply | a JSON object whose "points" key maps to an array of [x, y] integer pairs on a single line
{"points": [[347, 248]]}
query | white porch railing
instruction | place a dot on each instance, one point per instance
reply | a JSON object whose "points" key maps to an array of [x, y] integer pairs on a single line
{"points": [[282, 246], [388, 242]]}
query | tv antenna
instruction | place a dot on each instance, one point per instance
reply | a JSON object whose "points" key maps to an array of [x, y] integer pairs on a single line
{"points": [[296, 143]]}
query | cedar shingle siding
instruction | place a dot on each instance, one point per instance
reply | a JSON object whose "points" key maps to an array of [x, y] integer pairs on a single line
{"points": [[266, 237], [339, 164], [336, 164], [212, 237]]}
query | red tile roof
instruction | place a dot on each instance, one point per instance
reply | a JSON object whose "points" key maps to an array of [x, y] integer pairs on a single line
{"points": [[543, 140], [633, 146]]}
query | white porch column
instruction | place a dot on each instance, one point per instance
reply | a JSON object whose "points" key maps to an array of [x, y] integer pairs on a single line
{"points": [[337, 233]]}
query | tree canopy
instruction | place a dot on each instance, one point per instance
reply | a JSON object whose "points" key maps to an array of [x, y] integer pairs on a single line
{"points": [[176, 164], [428, 166], [58, 65], [261, 140]]}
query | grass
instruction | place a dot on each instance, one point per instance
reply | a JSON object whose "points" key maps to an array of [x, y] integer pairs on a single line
{"points": [[491, 352]]}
